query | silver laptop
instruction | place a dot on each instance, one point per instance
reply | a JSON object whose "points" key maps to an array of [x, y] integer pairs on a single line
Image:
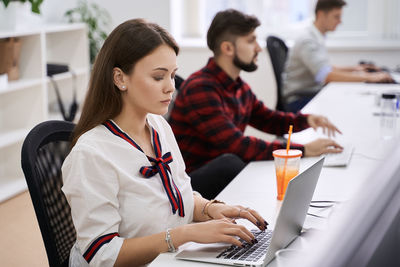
{"points": [[287, 227]]}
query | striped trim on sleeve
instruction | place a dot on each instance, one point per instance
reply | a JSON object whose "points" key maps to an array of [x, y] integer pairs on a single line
{"points": [[97, 244]]}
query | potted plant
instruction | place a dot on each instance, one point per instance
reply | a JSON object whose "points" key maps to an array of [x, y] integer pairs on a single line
{"points": [[13, 18], [96, 18], [35, 4], [20, 14]]}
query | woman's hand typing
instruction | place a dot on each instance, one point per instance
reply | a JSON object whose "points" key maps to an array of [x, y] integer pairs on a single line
{"points": [[219, 211], [213, 231]]}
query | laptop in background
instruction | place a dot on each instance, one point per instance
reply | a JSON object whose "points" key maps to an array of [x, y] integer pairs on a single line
{"points": [[288, 226]]}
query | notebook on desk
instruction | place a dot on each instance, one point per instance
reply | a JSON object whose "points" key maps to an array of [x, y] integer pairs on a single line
{"points": [[287, 227]]}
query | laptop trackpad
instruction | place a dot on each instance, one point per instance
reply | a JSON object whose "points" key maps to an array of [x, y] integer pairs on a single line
{"points": [[195, 250]]}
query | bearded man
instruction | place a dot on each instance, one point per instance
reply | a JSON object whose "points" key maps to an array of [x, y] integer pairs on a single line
{"points": [[214, 106]]}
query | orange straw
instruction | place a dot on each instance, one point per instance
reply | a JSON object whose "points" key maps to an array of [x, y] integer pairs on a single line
{"points": [[287, 153], [288, 141]]}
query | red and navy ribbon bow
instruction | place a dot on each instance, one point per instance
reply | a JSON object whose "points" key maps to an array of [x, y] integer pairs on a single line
{"points": [[160, 167]]}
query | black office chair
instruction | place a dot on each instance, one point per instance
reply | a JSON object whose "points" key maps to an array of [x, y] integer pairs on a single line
{"points": [[178, 82], [43, 153], [278, 51]]}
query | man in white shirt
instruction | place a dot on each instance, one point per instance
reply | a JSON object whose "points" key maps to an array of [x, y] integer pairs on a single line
{"points": [[308, 68]]}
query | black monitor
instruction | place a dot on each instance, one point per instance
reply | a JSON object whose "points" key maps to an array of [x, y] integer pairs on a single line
{"points": [[366, 232]]}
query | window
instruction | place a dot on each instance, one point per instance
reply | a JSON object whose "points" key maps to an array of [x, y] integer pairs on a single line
{"points": [[366, 19], [274, 15]]}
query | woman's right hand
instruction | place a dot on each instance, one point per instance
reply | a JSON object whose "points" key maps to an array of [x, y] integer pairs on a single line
{"points": [[213, 231]]}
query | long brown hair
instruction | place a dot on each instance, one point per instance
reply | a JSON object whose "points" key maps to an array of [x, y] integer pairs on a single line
{"points": [[124, 47]]}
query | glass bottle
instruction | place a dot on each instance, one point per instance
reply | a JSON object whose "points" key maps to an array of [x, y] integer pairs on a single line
{"points": [[388, 115]]}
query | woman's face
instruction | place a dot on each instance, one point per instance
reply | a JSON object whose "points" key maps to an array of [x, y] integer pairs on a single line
{"points": [[151, 83]]}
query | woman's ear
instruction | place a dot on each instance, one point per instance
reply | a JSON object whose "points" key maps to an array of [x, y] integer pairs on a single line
{"points": [[118, 79], [227, 48]]}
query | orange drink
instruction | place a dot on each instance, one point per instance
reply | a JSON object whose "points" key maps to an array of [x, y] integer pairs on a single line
{"points": [[282, 179], [287, 165]]}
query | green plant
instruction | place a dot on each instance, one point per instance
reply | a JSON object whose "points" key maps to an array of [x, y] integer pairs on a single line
{"points": [[35, 4], [96, 18]]}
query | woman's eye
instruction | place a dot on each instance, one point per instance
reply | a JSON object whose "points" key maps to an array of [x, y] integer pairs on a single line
{"points": [[158, 78]]}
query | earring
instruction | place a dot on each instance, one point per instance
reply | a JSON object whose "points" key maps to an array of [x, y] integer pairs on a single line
{"points": [[123, 87]]}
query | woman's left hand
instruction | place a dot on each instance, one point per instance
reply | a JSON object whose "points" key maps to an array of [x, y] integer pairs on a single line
{"points": [[220, 211]]}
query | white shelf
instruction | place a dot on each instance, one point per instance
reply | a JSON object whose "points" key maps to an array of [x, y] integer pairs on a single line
{"points": [[68, 75], [11, 186], [21, 84], [12, 137], [19, 33], [55, 116], [25, 103], [53, 28], [58, 28]]}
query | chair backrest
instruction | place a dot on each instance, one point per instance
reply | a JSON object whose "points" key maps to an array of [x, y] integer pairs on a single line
{"points": [[178, 82], [278, 51], [43, 153]]}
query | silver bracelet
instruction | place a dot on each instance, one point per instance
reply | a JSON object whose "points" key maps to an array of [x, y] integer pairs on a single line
{"points": [[171, 247]]}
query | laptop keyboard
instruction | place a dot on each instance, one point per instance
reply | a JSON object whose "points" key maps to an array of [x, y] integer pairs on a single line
{"points": [[249, 252]]}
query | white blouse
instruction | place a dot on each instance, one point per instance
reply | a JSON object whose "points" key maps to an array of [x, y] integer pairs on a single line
{"points": [[111, 200]]}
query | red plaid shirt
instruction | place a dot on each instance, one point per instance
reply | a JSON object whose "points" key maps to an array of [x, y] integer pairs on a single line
{"points": [[211, 113]]}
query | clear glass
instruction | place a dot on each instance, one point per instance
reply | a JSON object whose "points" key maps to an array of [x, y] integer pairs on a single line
{"points": [[285, 170], [288, 257], [388, 117]]}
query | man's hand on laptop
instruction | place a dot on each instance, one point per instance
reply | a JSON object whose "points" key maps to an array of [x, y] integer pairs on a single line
{"points": [[316, 121], [321, 146], [379, 77]]}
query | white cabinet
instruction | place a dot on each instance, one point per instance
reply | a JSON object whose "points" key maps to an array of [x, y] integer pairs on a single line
{"points": [[31, 99]]}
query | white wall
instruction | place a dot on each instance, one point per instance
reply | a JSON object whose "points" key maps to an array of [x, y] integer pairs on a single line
{"points": [[192, 58], [120, 10]]}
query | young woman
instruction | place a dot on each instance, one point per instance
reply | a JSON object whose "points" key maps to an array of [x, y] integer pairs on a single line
{"points": [[125, 177]]}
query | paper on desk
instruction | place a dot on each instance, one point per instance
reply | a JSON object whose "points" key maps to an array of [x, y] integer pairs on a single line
{"points": [[321, 222], [317, 223]]}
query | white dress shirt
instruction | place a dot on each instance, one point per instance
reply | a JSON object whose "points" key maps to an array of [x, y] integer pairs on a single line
{"points": [[307, 65], [108, 194]]}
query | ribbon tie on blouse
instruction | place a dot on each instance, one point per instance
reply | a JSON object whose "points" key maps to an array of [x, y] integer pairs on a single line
{"points": [[163, 161], [161, 167]]}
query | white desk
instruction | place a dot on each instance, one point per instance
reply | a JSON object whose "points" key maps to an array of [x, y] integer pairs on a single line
{"points": [[350, 107]]}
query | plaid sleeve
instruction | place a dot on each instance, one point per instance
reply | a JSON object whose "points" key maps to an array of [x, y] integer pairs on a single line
{"points": [[210, 119], [275, 122]]}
